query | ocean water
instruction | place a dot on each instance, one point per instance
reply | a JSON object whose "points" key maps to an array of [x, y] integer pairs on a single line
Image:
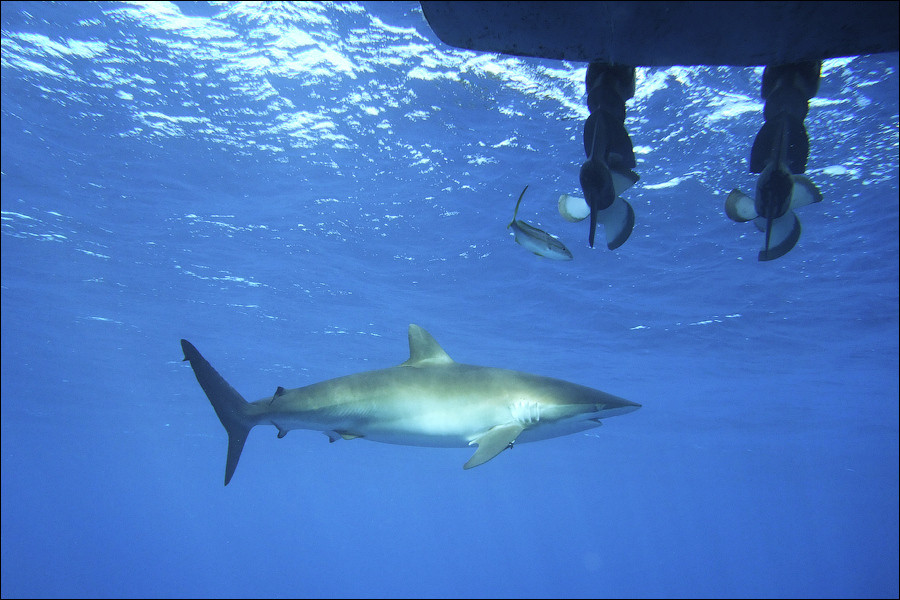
{"points": [[290, 186]]}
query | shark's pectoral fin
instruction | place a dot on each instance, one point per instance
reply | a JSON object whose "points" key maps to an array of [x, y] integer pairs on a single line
{"points": [[492, 443]]}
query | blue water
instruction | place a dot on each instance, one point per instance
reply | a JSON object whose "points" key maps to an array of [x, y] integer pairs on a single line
{"points": [[289, 187]]}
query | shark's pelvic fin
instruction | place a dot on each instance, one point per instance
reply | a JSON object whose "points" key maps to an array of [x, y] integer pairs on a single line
{"points": [[492, 443], [424, 350], [229, 405], [334, 435]]}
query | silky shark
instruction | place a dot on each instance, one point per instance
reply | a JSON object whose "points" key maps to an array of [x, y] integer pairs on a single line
{"points": [[429, 400]]}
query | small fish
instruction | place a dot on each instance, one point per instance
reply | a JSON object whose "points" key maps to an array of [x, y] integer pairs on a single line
{"points": [[537, 241]]}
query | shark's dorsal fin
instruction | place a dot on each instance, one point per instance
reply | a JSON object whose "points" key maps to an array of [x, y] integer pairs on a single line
{"points": [[424, 350]]}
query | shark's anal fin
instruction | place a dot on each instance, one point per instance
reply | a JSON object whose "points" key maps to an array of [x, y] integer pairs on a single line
{"points": [[281, 431], [492, 443]]}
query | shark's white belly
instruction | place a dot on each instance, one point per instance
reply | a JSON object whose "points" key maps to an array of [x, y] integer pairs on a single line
{"points": [[453, 423]]}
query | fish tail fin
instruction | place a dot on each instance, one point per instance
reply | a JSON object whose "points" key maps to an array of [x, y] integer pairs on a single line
{"points": [[229, 405], [516, 212]]}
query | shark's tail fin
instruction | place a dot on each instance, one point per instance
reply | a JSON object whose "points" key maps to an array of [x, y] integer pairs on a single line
{"points": [[230, 406]]}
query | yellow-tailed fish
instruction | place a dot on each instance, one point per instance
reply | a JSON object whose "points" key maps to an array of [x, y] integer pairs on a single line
{"points": [[536, 240]]}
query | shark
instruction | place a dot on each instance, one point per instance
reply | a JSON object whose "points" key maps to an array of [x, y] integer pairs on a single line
{"points": [[429, 400]]}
